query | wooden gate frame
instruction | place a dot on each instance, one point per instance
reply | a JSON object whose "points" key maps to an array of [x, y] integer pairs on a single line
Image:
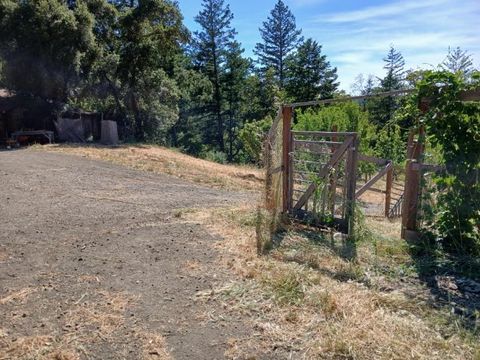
{"points": [[349, 146], [387, 170], [413, 164]]}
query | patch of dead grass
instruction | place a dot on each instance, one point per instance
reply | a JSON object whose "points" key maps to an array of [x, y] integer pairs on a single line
{"points": [[162, 160], [17, 296], [307, 301], [3, 255], [103, 315], [97, 316], [36, 347], [153, 347]]}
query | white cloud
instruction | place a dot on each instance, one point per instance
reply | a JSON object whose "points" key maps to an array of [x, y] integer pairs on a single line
{"points": [[303, 3], [356, 41], [393, 9]]}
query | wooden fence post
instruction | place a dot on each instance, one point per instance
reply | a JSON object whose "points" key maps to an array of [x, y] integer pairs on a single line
{"points": [[287, 113], [333, 178], [413, 177], [351, 176], [388, 190]]}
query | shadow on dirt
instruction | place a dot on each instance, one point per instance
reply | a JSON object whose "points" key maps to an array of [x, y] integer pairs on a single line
{"points": [[452, 280]]}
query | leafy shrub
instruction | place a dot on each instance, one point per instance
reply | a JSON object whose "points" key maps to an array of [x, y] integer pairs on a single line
{"points": [[215, 156], [346, 117], [390, 144], [252, 136], [453, 127]]}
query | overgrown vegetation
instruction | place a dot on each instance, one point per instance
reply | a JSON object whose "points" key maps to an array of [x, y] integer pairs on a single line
{"points": [[453, 129]]}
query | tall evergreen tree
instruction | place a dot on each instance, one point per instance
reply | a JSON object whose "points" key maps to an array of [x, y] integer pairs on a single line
{"points": [[309, 74], [211, 47], [150, 34], [395, 66], [236, 72], [280, 37], [195, 98], [382, 110], [458, 60]]}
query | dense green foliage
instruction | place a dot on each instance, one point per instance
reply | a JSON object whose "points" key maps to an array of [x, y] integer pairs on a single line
{"points": [[252, 135], [54, 64], [135, 62], [309, 74], [453, 127], [345, 117]]}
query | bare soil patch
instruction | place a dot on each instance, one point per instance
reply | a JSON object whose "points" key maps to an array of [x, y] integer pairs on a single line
{"points": [[95, 263]]}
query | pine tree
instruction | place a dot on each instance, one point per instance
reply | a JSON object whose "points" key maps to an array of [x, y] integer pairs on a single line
{"points": [[210, 47], [458, 60], [280, 37], [309, 75], [236, 72], [382, 110], [395, 66]]}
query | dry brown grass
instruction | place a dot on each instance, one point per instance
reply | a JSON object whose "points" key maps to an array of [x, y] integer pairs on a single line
{"points": [[306, 301], [3, 255], [153, 347], [18, 295], [36, 347], [105, 314], [99, 316], [166, 161]]}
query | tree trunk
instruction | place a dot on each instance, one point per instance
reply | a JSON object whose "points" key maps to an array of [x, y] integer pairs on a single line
{"points": [[139, 125]]}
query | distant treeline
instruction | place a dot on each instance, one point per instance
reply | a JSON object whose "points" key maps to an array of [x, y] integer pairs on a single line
{"points": [[137, 63]]}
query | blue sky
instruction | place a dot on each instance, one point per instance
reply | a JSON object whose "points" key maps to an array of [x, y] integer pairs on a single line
{"points": [[357, 34]]}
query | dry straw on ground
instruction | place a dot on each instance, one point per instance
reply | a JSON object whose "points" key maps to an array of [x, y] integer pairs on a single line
{"points": [[161, 160], [98, 316], [306, 301]]}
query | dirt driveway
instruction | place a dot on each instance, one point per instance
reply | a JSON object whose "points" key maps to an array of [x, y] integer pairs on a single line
{"points": [[96, 264]]}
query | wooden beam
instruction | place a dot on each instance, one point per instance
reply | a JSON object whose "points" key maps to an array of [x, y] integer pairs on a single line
{"points": [[315, 147], [388, 190], [412, 185], [351, 98], [333, 179], [428, 167], [351, 182], [373, 180], [329, 134], [470, 95]]}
